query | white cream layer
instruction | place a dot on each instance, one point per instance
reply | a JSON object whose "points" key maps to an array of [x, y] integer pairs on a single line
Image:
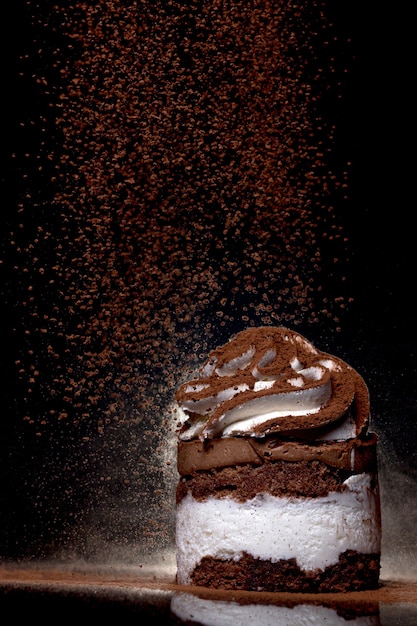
{"points": [[314, 531], [219, 613]]}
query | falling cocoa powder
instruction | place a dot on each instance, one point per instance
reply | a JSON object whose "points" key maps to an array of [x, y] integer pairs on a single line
{"points": [[181, 177]]}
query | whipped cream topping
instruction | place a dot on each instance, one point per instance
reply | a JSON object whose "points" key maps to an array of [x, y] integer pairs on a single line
{"points": [[272, 380]]}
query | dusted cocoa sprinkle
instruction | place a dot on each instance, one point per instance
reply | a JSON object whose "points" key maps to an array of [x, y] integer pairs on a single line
{"points": [[189, 179], [228, 380], [180, 176]]}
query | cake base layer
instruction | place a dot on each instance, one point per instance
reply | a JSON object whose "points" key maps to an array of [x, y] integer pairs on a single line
{"points": [[324, 536], [279, 522], [353, 572]]}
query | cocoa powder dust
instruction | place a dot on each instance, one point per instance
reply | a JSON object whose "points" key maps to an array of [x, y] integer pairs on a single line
{"points": [[180, 172]]}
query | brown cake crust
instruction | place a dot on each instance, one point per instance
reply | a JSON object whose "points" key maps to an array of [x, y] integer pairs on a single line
{"points": [[353, 572]]}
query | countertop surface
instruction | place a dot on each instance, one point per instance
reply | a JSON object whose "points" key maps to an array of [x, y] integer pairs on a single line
{"points": [[80, 593]]}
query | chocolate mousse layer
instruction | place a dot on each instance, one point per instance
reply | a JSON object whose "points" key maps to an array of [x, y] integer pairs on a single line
{"points": [[357, 455]]}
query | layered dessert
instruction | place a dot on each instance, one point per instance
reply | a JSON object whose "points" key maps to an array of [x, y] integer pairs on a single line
{"points": [[192, 610], [278, 487]]}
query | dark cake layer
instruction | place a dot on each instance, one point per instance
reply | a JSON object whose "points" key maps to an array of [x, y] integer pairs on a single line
{"points": [[310, 479], [353, 572]]}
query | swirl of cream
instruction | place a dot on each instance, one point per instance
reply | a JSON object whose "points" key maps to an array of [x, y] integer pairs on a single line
{"points": [[266, 380]]}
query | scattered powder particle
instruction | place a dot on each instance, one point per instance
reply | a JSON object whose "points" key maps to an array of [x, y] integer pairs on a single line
{"points": [[182, 183]]}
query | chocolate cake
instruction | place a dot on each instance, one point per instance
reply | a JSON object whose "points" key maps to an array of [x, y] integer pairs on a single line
{"points": [[278, 486]]}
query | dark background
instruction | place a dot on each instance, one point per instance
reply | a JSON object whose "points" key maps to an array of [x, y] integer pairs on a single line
{"points": [[52, 500]]}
